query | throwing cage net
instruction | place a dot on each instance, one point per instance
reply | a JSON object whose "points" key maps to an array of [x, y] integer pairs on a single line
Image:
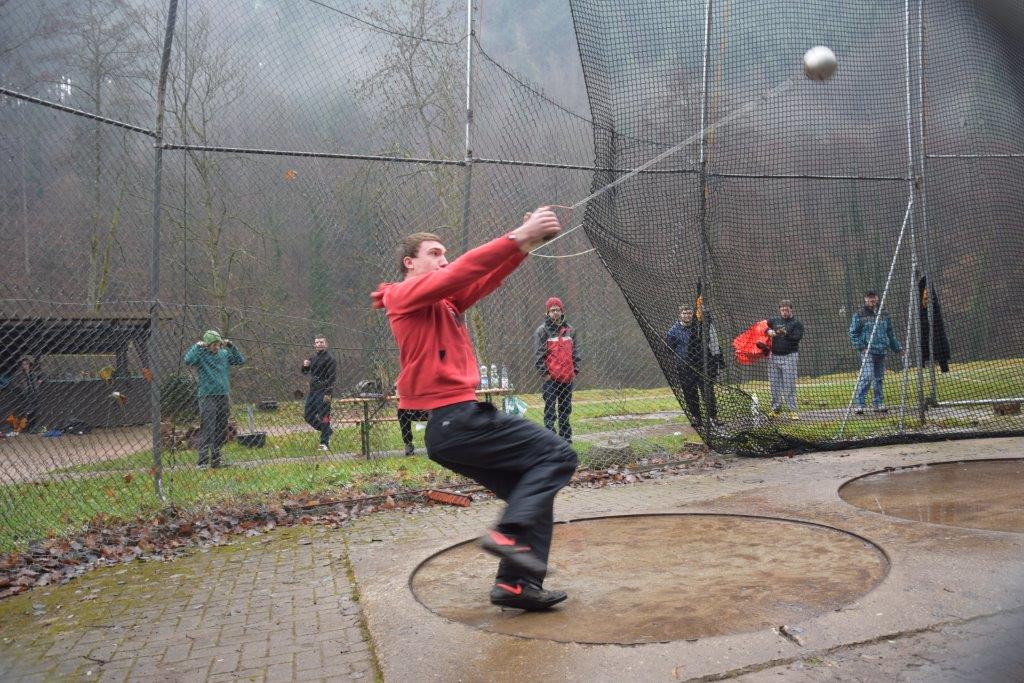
{"points": [[249, 167], [896, 176]]}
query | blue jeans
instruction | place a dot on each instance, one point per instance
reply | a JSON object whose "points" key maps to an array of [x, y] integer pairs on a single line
{"points": [[872, 374]]}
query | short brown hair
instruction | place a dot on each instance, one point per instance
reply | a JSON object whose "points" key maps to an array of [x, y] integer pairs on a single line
{"points": [[686, 308], [410, 246], [785, 303]]}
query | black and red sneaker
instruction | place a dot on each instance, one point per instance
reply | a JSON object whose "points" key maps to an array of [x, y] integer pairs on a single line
{"points": [[508, 548], [525, 596]]}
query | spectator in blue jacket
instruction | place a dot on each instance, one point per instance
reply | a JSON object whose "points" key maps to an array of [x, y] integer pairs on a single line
{"points": [[212, 358], [872, 334]]}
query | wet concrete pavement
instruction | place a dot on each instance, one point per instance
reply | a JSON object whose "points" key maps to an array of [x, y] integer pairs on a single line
{"points": [[921, 601], [942, 584], [982, 494]]}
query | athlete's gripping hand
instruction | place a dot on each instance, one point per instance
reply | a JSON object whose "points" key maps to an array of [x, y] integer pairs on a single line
{"points": [[538, 227]]}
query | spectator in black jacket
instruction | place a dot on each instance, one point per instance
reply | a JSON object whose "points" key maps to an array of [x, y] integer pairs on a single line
{"points": [[785, 331], [322, 370], [686, 339]]}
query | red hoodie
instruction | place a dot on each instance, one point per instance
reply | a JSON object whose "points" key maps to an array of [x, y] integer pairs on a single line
{"points": [[426, 317]]}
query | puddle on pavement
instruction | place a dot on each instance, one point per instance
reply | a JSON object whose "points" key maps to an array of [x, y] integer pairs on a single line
{"points": [[659, 578], [980, 494]]}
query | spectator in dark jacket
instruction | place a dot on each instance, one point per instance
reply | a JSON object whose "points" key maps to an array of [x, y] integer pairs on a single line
{"points": [[785, 331], [323, 371], [872, 334], [556, 355], [685, 339]]}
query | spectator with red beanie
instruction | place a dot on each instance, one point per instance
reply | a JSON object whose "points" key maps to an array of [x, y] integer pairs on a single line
{"points": [[557, 358]]}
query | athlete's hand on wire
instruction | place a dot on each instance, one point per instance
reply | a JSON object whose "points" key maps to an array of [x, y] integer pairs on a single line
{"points": [[537, 227]]}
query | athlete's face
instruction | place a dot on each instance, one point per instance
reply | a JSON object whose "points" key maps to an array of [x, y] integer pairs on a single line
{"points": [[431, 257]]}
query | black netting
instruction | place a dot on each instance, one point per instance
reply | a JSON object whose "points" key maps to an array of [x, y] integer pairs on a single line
{"points": [[815, 193]]}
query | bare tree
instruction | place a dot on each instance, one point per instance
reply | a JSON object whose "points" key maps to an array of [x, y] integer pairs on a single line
{"points": [[97, 58], [417, 87], [206, 83]]}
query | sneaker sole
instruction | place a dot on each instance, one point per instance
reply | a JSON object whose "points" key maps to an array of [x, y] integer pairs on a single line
{"points": [[523, 561], [527, 604]]}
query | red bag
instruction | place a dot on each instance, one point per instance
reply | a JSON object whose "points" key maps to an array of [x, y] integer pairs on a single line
{"points": [[559, 358], [752, 344]]}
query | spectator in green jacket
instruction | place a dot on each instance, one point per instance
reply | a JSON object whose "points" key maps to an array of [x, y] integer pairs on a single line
{"points": [[872, 334], [212, 358]]}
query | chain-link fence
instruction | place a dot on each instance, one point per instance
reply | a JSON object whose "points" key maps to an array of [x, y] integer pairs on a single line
{"points": [[295, 143], [248, 166]]}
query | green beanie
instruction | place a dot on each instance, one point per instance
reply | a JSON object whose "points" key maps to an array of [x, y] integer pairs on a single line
{"points": [[212, 337]]}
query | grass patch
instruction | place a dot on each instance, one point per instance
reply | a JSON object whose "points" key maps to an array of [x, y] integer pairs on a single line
{"points": [[122, 488], [57, 508], [965, 382], [386, 436]]}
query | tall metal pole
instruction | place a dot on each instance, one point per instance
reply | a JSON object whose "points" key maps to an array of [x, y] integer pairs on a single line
{"points": [[702, 215], [467, 170], [467, 181], [922, 187], [154, 265], [914, 183], [912, 190]]}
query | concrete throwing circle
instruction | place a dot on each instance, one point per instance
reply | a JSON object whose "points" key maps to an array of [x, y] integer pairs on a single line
{"points": [[974, 494], [658, 578]]}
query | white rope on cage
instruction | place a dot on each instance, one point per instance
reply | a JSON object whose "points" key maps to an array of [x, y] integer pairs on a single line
{"points": [[699, 135], [578, 253], [878, 315]]}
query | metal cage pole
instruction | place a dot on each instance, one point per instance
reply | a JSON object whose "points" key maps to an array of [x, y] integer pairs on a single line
{"points": [[467, 170], [154, 266], [911, 187], [467, 176], [922, 404], [922, 186], [703, 323]]}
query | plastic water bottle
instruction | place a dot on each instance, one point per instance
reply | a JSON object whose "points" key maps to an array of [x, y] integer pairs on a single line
{"points": [[504, 377], [483, 376], [495, 382]]}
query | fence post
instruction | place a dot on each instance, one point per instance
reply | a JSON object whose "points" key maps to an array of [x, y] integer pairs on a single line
{"points": [[154, 265]]}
